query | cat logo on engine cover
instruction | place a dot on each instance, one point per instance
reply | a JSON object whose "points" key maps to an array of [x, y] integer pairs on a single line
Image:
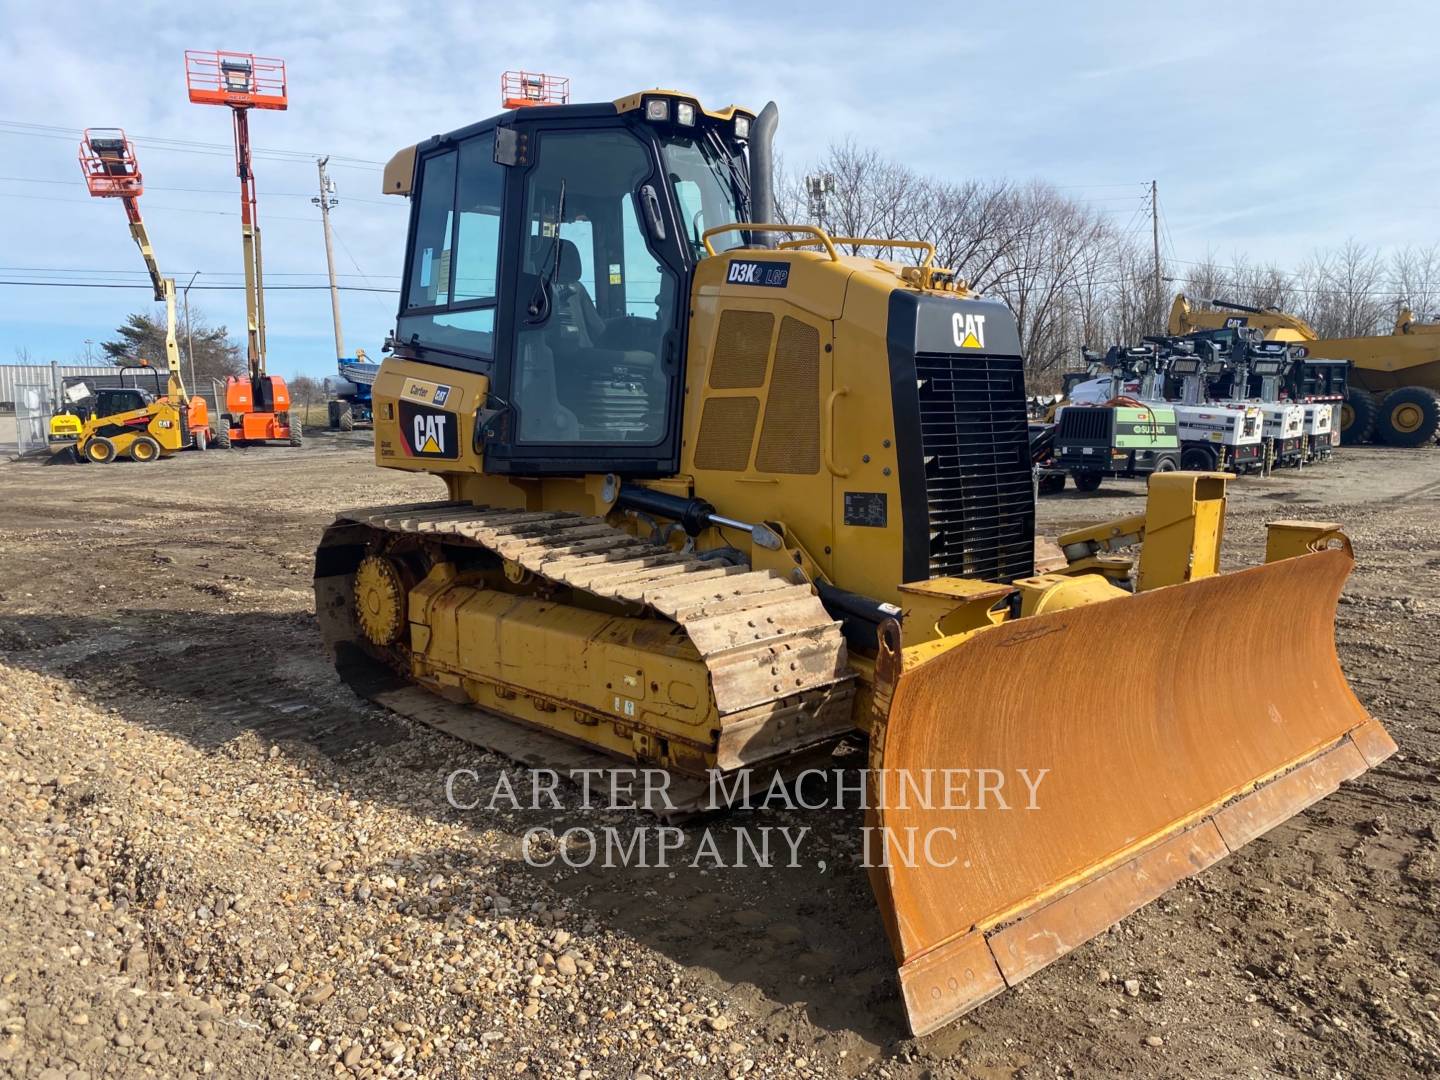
{"points": [[428, 432], [968, 330]]}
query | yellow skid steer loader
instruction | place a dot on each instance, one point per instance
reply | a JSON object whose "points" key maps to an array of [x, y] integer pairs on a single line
{"points": [[718, 494]]}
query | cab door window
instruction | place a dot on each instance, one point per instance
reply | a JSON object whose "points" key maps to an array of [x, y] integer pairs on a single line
{"points": [[453, 280], [594, 301], [430, 260], [642, 274]]}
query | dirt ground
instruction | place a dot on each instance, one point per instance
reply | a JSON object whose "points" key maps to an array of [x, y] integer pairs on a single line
{"points": [[215, 859]]}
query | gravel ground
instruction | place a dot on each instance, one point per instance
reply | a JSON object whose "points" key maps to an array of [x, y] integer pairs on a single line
{"points": [[214, 859]]}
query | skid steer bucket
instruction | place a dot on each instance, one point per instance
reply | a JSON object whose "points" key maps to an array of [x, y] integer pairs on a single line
{"points": [[1131, 744]]}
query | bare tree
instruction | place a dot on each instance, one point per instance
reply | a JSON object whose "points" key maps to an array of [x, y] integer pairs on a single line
{"points": [[1347, 298], [1414, 275], [1205, 281], [305, 390], [870, 197], [1072, 278], [1053, 247]]}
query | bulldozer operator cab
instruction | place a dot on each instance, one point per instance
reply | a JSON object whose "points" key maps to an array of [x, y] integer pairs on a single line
{"points": [[550, 249]]}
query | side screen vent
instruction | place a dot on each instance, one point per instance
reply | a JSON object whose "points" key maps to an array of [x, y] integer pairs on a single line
{"points": [[727, 428], [742, 349], [790, 439]]}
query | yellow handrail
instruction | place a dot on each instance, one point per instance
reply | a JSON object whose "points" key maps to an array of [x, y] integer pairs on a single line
{"points": [[827, 449], [821, 237], [869, 241]]}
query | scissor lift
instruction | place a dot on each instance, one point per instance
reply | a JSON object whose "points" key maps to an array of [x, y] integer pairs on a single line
{"points": [[257, 406]]}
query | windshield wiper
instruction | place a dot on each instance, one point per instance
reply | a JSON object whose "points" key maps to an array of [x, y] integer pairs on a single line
{"points": [[538, 310], [739, 184]]}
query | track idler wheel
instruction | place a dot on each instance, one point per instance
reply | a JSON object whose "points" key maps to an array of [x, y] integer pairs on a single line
{"points": [[379, 600]]}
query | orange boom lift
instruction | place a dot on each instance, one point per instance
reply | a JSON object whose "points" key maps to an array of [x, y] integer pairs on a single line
{"points": [[524, 89], [257, 406], [107, 159]]}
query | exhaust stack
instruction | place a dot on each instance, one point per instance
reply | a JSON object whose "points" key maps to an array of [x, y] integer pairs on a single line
{"points": [[762, 171]]}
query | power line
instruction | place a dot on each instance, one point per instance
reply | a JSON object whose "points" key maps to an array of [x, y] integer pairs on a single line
{"points": [[1218, 266], [1137, 219], [351, 257], [346, 248], [173, 209], [51, 131], [177, 274], [197, 288], [201, 191]]}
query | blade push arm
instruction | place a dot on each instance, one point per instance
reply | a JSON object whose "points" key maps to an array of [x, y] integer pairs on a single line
{"points": [[1179, 534]]}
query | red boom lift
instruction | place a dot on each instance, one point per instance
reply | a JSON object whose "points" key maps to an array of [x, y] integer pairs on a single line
{"points": [[257, 406]]}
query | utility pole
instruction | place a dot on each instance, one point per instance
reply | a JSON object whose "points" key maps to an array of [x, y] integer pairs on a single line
{"points": [[189, 341], [1155, 234], [326, 201]]}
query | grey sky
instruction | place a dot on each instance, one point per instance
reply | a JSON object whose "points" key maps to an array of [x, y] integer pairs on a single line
{"points": [[1272, 128]]}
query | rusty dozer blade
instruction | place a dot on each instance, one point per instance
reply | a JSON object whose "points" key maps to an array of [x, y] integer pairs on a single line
{"points": [[1173, 726]]}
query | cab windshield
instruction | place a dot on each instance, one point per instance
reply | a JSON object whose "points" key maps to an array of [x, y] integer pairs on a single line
{"points": [[711, 186]]}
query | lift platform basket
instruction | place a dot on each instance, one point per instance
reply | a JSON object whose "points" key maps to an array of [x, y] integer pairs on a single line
{"points": [[240, 80], [108, 160]]}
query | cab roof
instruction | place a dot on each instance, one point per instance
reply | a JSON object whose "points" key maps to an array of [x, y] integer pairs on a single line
{"points": [[400, 169]]}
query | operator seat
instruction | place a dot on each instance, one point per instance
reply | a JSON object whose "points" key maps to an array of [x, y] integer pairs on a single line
{"points": [[543, 415], [577, 324], [596, 385]]}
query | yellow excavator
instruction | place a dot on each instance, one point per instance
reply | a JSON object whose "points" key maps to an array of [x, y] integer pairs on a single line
{"points": [[1394, 382], [717, 495]]}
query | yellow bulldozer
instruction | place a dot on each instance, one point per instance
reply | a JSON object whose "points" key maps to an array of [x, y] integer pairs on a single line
{"points": [[717, 495], [1394, 391]]}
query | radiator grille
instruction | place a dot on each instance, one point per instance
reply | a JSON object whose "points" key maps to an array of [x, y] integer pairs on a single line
{"points": [[742, 349], [1078, 423], [790, 439], [974, 436], [727, 427]]}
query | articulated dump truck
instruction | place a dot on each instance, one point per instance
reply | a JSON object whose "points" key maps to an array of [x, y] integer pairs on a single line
{"points": [[1394, 382], [718, 494]]}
